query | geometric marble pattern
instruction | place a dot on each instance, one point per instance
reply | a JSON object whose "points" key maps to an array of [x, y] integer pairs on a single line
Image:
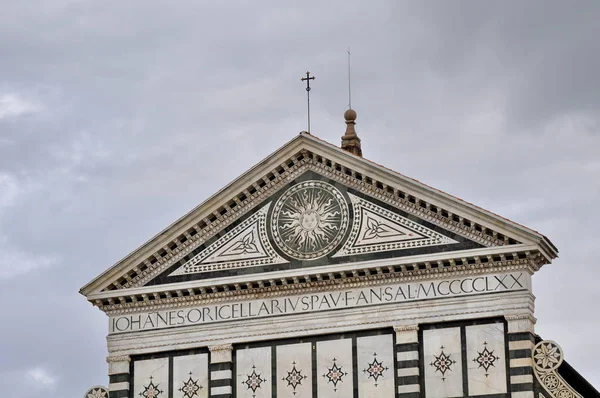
{"points": [[442, 362], [190, 376], [151, 378], [486, 359], [247, 245], [375, 365], [334, 368], [294, 375], [253, 373], [376, 229]]}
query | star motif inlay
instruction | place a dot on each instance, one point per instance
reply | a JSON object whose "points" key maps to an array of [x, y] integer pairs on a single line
{"points": [[294, 377], [486, 359], [253, 381], [375, 369], [335, 374], [442, 363], [151, 390], [190, 387]]}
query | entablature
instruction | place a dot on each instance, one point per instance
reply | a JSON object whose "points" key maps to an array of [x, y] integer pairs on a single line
{"points": [[313, 279]]}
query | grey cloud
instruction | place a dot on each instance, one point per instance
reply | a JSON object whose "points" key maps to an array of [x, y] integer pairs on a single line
{"points": [[139, 103]]}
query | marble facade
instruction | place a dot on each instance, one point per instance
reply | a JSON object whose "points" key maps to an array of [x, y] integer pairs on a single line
{"points": [[321, 274]]}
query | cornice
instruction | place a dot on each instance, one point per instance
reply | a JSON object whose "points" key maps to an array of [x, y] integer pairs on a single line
{"points": [[316, 283], [433, 262]]}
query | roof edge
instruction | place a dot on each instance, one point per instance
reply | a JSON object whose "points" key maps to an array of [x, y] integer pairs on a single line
{"points": [[420, 189]]}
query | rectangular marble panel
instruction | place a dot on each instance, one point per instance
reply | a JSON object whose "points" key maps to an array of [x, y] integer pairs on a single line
{"points": [[442, 362], [375, 366], [294, 371], [151, 378], [334, 369], [253, 373], [190, 376], [486, 359]]}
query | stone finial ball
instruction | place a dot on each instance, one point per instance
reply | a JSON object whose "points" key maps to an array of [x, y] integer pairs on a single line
{"points": [[350, 115]]}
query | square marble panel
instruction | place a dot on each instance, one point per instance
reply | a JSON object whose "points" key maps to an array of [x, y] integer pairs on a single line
{"points": [[486, 359], [151, 378], [190, 376], [253, 373], [334, 369], [442, 362], [294, 371], [375, 366]]}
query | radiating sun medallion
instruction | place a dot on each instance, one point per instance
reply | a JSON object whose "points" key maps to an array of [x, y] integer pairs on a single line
{"points": [[309, 220]]}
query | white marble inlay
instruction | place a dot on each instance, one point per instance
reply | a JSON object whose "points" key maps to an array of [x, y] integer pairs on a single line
{"points": [[334, 369], [375, 366], [486, 359], [190, 376], [253, 373], [151, 378], [294, 371], [376, 229], [221, 375], [246, 245], [442, 362]]}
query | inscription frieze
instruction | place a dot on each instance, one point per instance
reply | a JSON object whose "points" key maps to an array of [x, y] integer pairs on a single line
{"points": [[322, 301]]}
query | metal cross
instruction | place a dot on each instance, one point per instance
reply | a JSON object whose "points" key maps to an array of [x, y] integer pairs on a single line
{"points": [[308, 78]]}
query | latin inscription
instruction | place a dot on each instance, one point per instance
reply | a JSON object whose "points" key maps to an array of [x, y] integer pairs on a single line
{"points": [[297, 304]]}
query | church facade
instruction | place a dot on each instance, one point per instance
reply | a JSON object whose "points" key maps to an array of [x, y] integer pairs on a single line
{"points": [[318, 273]]}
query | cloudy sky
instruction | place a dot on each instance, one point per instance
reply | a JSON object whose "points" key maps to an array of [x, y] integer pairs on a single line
{"points": [[117, 117]]}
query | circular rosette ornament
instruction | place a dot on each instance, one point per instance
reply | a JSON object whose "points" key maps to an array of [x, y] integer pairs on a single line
{"points": [[309, 220], [547, 356], [96, 392]]}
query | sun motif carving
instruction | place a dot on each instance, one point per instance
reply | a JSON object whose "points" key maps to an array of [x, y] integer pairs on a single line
{"points": [[335, 374], [309, 220], [375, 369], [190, 387], [151, 390], [253, 381], [486, 359], [442, 363], [294, 377], [97, 392], [547, 355]]}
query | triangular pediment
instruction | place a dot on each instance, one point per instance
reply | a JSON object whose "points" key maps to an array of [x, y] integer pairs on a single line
{"points": [[313, 221], [312, 205]]}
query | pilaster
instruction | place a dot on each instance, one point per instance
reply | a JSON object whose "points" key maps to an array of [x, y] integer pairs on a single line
{"points": [[221, 371], [407, 361], [521, 340], [118, 376]]}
